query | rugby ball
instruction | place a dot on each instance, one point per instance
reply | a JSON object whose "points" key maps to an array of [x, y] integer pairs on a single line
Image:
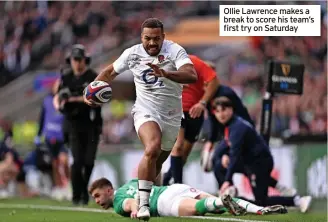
{"points": [[98, 91]]}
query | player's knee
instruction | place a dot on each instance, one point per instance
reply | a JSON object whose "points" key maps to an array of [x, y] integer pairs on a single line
{"points": [[153, 150]]}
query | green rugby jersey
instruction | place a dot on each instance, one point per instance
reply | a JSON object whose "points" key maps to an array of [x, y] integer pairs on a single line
{"points": [[129, 190]]}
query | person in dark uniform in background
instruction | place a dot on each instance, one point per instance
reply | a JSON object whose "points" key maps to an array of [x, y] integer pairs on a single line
{"points": [[245, 145], [82, 122], [214, 125], [216, 133]]}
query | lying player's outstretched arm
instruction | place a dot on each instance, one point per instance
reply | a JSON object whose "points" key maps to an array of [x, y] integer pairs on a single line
{"points": [[130, 206]]}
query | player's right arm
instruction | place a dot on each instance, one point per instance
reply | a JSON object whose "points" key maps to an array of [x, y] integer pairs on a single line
{"points": [[185, 73], [119, 66], [125, 206], [110, 72], [130, 206]]}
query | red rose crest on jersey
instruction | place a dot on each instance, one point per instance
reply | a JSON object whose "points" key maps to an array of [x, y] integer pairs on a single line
{"points": [[160, 58]]}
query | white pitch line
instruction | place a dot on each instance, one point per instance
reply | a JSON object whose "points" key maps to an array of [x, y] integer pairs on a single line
{"points": [[224, 219], [48, 207], [82, 209]]}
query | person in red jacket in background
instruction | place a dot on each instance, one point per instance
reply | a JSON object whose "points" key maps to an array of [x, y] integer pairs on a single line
{"points": [[194, 100]]}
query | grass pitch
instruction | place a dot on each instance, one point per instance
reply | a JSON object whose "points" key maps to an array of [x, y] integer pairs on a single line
{"points": [[42, 210]]}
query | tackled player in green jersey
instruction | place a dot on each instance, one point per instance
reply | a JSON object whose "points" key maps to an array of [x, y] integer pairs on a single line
{"points": [[130, 190], [174, 201]]}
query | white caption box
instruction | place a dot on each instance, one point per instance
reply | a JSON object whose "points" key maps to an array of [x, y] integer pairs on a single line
{"points": [[270, 20]]}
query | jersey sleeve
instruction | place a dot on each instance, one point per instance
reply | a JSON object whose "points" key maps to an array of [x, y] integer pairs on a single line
{"points": [[181, 57], [118, 205], [121, 64]]}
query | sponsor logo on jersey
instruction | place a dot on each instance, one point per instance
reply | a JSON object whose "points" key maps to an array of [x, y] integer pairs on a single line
{"points": [[160, 58]]}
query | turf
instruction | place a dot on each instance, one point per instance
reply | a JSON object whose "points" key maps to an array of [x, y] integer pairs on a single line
{"points": [[17, 214]]}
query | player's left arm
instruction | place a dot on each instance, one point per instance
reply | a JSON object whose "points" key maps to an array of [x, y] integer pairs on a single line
{"points": [[185, 73]]}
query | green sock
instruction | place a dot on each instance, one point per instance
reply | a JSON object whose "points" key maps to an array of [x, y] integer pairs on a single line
{"points": [[200, 207], [207, 205]]}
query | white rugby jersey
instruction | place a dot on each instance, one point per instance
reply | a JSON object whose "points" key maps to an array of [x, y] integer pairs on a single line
{"points": [[157, 94]]}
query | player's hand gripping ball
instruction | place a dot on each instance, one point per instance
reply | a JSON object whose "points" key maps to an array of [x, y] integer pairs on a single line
{"points": [[98, 92]]}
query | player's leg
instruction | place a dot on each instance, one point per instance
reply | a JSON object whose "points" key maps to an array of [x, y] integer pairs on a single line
{"points": [[182, 200], [179, 156], [176, 165], [176, 154], [239, 206], [150, 135], [192, 130], [209, 204], [161, 159], [260, 210], [228, 202]]}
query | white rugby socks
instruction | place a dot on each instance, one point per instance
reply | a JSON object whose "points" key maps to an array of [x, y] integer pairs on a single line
{"points": [[250, 208], [213, 203], [144, 192]]}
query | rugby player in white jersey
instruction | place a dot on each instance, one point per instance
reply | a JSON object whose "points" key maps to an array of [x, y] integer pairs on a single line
{"points": [[159, 67]]}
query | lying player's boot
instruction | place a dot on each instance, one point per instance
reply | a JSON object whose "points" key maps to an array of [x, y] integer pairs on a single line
{"points": [[275, 209], [232, 206], [143, 213]]}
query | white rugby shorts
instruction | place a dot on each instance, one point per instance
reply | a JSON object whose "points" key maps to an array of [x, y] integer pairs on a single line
{"points": [[169, 201], [169, 126]]}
